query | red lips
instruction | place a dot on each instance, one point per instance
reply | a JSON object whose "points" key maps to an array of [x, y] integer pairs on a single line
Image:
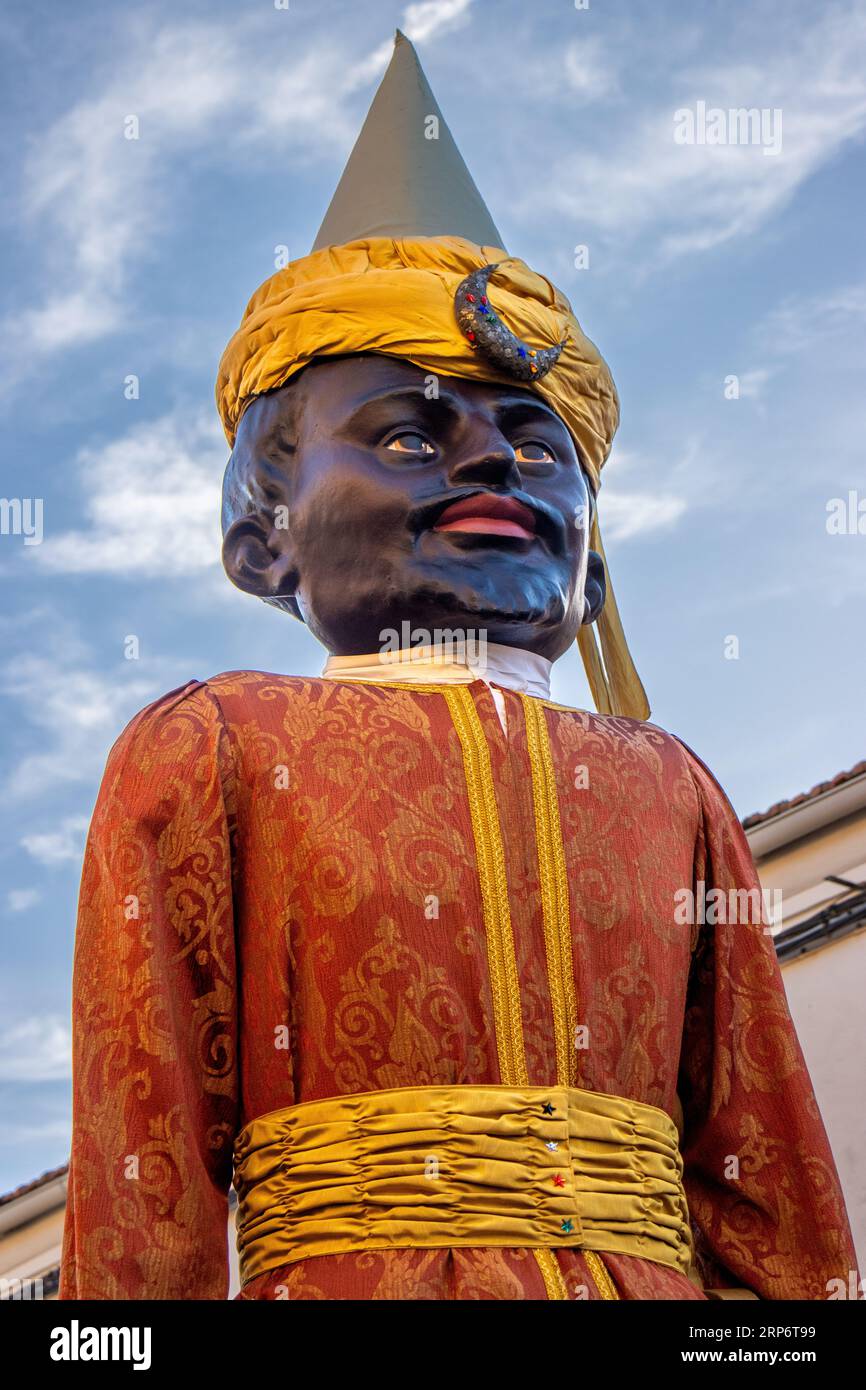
{"points": [[486, 514]]}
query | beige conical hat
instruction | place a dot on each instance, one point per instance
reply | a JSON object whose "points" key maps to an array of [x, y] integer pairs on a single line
{"points": [[405, 175]]}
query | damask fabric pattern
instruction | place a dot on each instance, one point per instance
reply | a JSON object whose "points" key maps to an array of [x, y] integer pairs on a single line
{"points": [[281, 902]]}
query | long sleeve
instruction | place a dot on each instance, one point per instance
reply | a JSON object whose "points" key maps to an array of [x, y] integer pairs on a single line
{"points": [[154, 1015], [761, 1183]]}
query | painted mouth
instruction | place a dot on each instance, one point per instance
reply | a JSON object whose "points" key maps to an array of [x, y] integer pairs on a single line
{"points": [[484, 514]]}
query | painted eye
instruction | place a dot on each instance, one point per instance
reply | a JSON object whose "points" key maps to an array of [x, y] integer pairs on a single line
{"points": [[410, 443], [532, 452]]}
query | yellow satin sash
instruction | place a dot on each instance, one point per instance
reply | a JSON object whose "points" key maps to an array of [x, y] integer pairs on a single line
{"points": [[446, 1166]]}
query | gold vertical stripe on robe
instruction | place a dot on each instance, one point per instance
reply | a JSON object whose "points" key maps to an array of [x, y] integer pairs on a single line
{"points": [[554, 892], [497, 920], [557, 923]]}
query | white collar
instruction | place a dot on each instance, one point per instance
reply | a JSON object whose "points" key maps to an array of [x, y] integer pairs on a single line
{"points": [[511, 667]]}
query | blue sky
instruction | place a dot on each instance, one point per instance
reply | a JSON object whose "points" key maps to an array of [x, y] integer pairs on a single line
{"points": [[137, 257]]}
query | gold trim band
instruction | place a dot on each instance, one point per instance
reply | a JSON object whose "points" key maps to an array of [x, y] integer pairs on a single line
{"points": [[554, 892], [502, 962], [490, 856], [556, 916]]}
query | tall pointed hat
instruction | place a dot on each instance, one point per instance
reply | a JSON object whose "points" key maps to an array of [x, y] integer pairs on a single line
{"points": [[406, 177], [408, 262]]}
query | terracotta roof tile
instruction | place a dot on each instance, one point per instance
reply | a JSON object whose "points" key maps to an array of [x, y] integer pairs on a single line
{"points": [[759, 816], [32, 1186]]}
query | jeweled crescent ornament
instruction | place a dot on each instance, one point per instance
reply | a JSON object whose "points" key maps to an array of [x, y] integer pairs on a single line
{"points": [[484, 329]]}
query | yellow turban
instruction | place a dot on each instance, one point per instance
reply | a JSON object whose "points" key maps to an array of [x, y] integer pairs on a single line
{"points": [[396, 296]]}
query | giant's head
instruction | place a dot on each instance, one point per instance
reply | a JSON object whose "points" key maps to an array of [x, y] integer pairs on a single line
{"points": [[364, 494], [418, 424]]}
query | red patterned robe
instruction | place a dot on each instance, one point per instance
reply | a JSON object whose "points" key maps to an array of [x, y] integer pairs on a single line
{"points": [[256, 930]]}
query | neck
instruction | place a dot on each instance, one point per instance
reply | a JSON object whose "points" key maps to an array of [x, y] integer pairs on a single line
{"points": [[496, 663]]}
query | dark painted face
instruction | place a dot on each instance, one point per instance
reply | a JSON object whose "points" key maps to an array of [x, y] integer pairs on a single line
{"points": [[385, 495]]}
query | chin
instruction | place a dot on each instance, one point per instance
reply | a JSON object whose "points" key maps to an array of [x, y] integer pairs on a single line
{"points": [[513, 604], [500, 602]]}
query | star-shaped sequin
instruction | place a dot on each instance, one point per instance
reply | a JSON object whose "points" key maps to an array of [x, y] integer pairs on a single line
{"points": [[547, 1108], [558, 1180], [567, 1227], [552, 1145]]}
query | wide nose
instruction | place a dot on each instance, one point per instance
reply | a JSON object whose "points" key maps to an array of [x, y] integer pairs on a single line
{"points": [[486, 457]]}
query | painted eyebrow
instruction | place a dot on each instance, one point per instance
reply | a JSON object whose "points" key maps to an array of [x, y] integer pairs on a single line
{"points": [[446, 409], [444, 404], [519, 408]]}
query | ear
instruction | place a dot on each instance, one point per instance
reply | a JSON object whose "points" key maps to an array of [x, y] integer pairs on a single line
{"points": [[595, 588], [259, 558]]}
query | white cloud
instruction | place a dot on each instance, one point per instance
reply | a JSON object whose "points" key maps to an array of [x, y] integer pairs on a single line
{"points": [[636, 182], [752, 383], [20, 899], [103, 197], [589, 69], [801, 322], [76, 713], [641, 495], [209, 88], [73, 319], [426, 18], [628, 514], [152, 501], [422, 20], [36, 1049], [54, 847], [13, 1134]]}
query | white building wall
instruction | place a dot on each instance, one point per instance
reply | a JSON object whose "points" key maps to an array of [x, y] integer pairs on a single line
{"points": [[827, 996]]}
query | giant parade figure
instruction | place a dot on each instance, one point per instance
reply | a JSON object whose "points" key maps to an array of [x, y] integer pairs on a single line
{"points": [[398, 951]]}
